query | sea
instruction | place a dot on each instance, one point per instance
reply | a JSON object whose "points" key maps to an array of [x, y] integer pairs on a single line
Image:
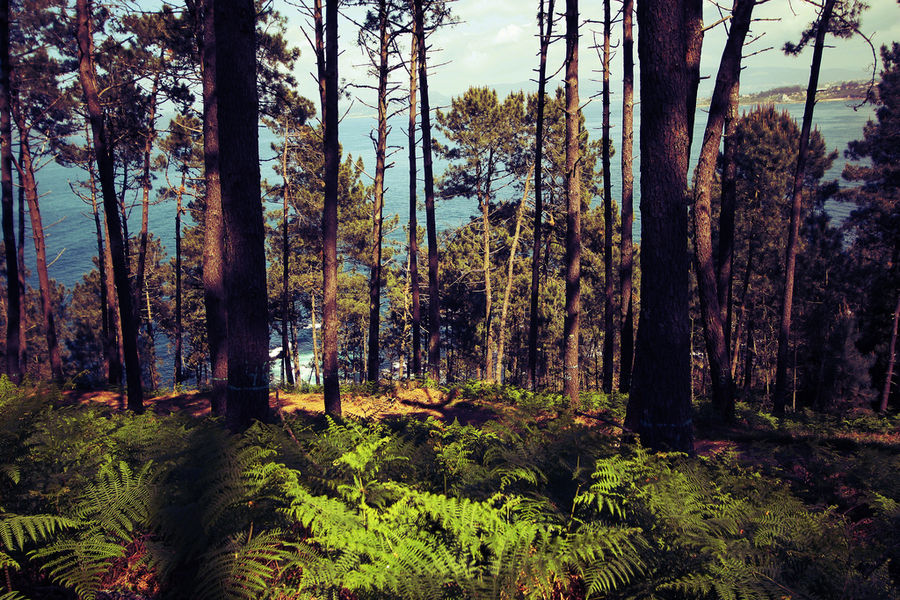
{"points": [[71, 239]]}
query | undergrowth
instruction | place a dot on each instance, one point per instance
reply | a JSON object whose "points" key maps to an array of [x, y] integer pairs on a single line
{"points": [[171, 508]]}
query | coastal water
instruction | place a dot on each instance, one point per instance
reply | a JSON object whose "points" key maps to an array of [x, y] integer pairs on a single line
{"points": [[69, 227]]}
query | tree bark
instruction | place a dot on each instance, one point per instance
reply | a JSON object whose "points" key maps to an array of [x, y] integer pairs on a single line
{"points": [[572, 322], [545, 25], [484, 201], [892, 360], [317, 359], [609, 327], [179, 328], [710, 309], [14, 368], [413, 221], [214, 226], [626, 338], [374, 362], [434, 300], [20, 259], [510, 267], [693, 27], [725, 262], [784, 329], [146, 184], [116, 246], [286, 371], [659, 408], [246, 300], [29, 187], [329, 215]]}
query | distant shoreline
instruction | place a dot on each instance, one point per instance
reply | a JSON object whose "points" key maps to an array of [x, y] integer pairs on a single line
{"points": [[845, 91]]}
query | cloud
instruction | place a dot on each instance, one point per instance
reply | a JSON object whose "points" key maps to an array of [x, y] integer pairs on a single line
{"points": [[509, 34]]}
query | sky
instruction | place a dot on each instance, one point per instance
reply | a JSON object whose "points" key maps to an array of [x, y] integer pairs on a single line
{"points": [[495, 44]]}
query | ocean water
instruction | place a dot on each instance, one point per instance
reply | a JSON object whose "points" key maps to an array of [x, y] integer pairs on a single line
{"points": [[69, 227]]}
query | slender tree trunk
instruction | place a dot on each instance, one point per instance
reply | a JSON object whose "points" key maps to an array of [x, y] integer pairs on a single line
{"points": [[29, 186], [20, 259], [485, 205], [892, 360], [609, 326], [146, 184], [572, 323], [179, 328], [434, 300], [374, 362], [659, 408], [14, 368], [713, 327], [626, 340], [317, 360], [87, 75], [545, 25], [784, 329], [246, 300], [510, 267], [214, 226], [725, 263], [693, 28], [329, 214], [286, 372], [748, 363], [413, 224]]}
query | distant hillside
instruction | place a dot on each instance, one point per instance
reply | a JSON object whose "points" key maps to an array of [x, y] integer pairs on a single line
{"points": [[844, 90]]}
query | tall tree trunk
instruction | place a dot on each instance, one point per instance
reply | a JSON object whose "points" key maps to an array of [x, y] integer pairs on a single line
{"points": [[329, 215], [88, 77], [20, 259], [14, 294], [693, 27], [434, 300], [659, 408], [626, 339], [892, 360], [29, 187], [609, 327], [510, 267], [484, 202], [725, 262], [146, 184], [413, 224], [374, 362], [317, 359], [286, 371], [214, 226], [572, 323], [784, 329], [246, 300], [179, 328], [713, 328], [545, 26]]}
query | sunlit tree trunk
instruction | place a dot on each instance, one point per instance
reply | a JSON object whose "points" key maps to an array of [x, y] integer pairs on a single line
{"points": [[609, 327], [115, 242], [725, 262], [146, 184], [287, 372], [626, 272], [892, 360], [413, 224], [510, 268], [784, 329], [179, 328], [545, 26], [214, 227], [329, 215], [572, 323], [659, 407]]}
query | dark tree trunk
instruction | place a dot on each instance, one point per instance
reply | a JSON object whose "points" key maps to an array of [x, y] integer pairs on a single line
{"points": [[784, 329], [659, 408], [545, 25], [693, 27], [14, 294], [329, 215], [246, 300], [116, 245], [609, 327], [626, 340], [214, 227], [485, 205], [317, 359], [572, 322], [434, 299], [713, 328], [413, 225], [146, 184], [29, 187], [374, 362], [892, 360], [20, 259], [179, 328]]}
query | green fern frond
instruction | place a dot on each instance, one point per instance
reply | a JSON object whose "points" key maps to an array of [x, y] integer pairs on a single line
{"points": [[242, 568], [13, 595], [79, 564], [17, 530]]}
